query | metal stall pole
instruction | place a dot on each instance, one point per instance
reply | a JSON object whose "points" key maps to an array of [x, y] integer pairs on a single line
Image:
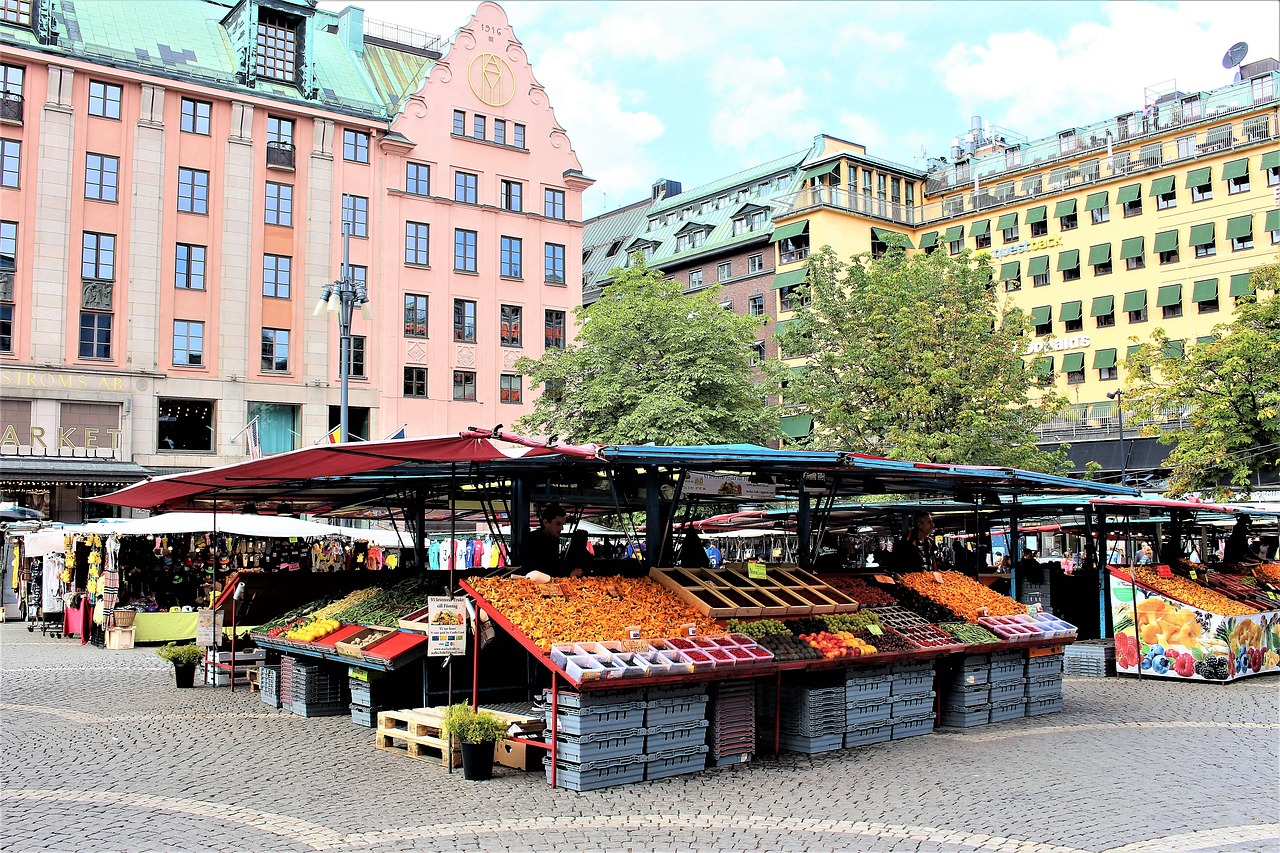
{"points": [[1015, 547], [653, 519], [803, 529]]}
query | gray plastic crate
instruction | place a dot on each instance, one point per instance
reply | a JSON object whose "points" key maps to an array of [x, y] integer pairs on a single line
{"points": [[1046, 665], [594, 698], [668, 712], [674, 691], [1006, 671], [594, 775], [913, 666], [730, 759], [582, 749], [859, 689], [314, 709], [269, 685], [864, 713], [913, 706], [911, 684], [824, 722], [1042, 688], [1008, 710], [860, 673], [1008, 690], [673, 763], [866, 735], [1009, 655], [664, 738], [970, 675], [811, 745], [605, 718], [967, 697], [365, 715], [1044, 705], [966, 661], [964, 718], [912, 728]]}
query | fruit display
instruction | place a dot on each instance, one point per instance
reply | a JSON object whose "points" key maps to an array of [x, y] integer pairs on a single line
{"points": [[926, 636], [758, 628], [1242, 588], [889, 641], [851, 621], [928, 609], [805, 625], [591, 608], [788, 647], [864, 593], [839, 645], [1190, 592], [967, 633], [386, 606], [898, 617], [1268, 573], [312, 631], [962, 594]]}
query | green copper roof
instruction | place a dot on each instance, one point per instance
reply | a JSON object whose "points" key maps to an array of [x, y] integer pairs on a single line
{"points": [[764, 170]]}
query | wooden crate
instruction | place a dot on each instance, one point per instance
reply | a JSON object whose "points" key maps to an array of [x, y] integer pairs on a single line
{"points": [[732, 593], [354, 646], [415, 734]]}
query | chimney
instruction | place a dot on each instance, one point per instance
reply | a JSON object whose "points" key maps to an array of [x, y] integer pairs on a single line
{"points": [[351, 29]]}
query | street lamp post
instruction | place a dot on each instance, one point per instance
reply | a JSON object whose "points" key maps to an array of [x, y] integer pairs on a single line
{"points": [[1116, 395], [344, 296]]}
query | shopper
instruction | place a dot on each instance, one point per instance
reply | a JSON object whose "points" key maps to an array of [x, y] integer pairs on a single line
{"points": [[914, 552], [1237, 547], [541, 547], [578, 557], [692, 554]]}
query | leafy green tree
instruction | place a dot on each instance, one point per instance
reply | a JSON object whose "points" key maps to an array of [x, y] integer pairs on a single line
{"points": [[652, 363], [1230, 389], [905, 358]]}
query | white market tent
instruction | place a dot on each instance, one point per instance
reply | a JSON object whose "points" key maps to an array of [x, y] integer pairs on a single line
{"points": [[266, 526]]}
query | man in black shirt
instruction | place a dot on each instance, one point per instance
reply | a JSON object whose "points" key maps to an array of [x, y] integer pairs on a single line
{"points": [[541, 548], [915, 552]]}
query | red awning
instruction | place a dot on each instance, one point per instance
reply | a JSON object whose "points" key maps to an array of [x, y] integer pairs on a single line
{"points": [[1164, 503]]}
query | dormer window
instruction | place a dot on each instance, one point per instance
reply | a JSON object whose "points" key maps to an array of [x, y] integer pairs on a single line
{"points": [[277, 56], [16, 12]]}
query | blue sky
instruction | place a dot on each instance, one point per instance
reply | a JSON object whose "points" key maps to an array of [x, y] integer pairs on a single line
{"points": [[696, 90]]}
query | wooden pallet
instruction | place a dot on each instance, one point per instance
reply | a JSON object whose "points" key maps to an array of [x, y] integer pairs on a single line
{"points": [[415, 734], [732, 593]]}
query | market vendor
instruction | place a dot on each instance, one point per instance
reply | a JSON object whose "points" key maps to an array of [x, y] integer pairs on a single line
{"points": [[541, 548], [914, 552], [1237, 548]]}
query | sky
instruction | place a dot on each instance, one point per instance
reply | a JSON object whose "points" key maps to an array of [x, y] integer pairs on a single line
{"points": [[693, 91]]}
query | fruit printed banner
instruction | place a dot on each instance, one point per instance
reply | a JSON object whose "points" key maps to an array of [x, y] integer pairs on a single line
{"points": [[1170, 639], [447, 631]]}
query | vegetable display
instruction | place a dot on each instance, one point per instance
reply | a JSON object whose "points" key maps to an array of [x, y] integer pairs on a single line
{"points": [[962, 594], [1190, 592], [864, 593], [966, 633]]}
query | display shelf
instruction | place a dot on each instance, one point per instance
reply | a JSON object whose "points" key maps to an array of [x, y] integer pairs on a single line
{"points": [[733, 593]]}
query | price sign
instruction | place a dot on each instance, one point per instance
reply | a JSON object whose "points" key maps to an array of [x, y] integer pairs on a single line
{"points": [[1033, 609], [937, 576], [756, 571], [688, 629], [884, 579], [446, 626], [982, 611], [1192, 572], [208, 627], [875, 629], [1164, 571], [633, 632]]}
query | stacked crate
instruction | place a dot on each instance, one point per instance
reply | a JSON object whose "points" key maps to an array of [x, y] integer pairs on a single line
{"points": [[811, 716], [911, 694], [733, 723], [316, 691], [1008, 685], [366, 697], [1090, 658], [1044, 685], [269, 686], [966, 694], [675, 735], [867, 707], [599, 739]]}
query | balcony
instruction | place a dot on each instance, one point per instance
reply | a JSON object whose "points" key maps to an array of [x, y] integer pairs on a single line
{"points": [[1098, 421], [794, 256], [280, 156], [840, 198], [10, 108]]}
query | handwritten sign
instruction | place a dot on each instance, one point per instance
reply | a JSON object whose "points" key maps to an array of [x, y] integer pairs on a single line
{"points": [[633, 632], [884, 579], [937, 576], [1192, 572], [756, 571], [206, 633], [688, 629], [1164, 571], [875, 629]]}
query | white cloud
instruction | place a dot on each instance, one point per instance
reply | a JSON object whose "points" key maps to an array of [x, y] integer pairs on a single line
{"points": [[858, 128], [873, 38], [761, 109], [1035, 82]]}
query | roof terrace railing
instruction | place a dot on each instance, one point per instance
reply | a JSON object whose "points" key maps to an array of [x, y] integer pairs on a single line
{"points": [[396, 34]]}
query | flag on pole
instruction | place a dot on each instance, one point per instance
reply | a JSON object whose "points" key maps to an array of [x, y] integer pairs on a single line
{"points": [[398, 434], [253, 438], [335, 435]]}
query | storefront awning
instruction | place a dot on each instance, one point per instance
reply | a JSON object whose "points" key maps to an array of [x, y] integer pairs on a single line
{"points": [[1132, 192], [1099, 254], [980, 228], [1131, 248], [797, 426], [1162, 186], [1038, 265], [1241, 284], [1170, 294], [790, 230], [1007, 221], [928, 240], [1104, 358], [1199, 177], [1235, 168], [1204, 290], [1103, 306], [1073, 362], [1202, 235], [1135, 300], [1037, 214], [1040, 315], [1010, 270], [1167, 241], [69, 470], [1066, 207], [1071, 311], [790, 278], [1239, 226], [1095, 201], [1068, 260]]}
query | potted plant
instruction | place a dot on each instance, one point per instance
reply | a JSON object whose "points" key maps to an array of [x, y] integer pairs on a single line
{"points": [[184, 659], [478, 731]]}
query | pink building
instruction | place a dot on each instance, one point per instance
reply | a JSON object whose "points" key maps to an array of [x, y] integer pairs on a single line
{"points": [[176, 175]]}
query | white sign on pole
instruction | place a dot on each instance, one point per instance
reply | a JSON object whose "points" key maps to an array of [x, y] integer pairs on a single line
{"points": [[207, 634], [447, 626]]}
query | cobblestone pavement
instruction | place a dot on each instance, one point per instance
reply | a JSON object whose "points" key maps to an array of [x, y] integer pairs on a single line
{"points": [[100, 753]]}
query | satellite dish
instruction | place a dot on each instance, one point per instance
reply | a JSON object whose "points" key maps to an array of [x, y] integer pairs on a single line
{"points": [[1235, 55]]}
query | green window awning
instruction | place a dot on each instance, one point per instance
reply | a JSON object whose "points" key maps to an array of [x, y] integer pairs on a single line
{"points": [[1202, 235], [1239, 226], [790, 230], [1037, 214], [1167, 241], [1130, 193], [1095, 201], [928, 240], [1099, 254], [1199, 177], [1204, 290], [1010, 270], [1131, 248], [1044, 366], [1241, 284], [1162, 186], [1068, 260], [1103, 306], [1066, 207], [980, 228], [1235, 168], [1040, 315], [784, 326], [1135, 300], [954, 233], [1131, 351], [1073, 362], [1104, 358], [1273, 219], [784, 280], [1007, 221], [1174, 349], [820, 171], [1038, 265], [892, 238], [797, 426], [1271, 160], [1071, 311], [1170, 294], [1206, 339]]}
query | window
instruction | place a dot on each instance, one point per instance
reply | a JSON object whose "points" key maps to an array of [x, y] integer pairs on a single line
{"points": [[1273, 173], [724, 272], [188, 343], [277, 272], [1072, 317], [755, 264], [1167, 200], [185, 425], [512, 195], [510, 254], [1133, 207], [417, 179], [477, 127], [1010, 235], [464, 187], [695, 278], [1236, 174], [1240, 232], [415, 315], [510, 320], [554, 263], [10, 162], [95, 334], [275, 350], [982, 241], [1207, 250], [1038, 269], [16, 12], [1169, 300], [6, 327], [1135, 305], [279, 131], [355, 146], [11, 77], [1068, 222], [8, 245], [464, 250], [500, 131], [1135, 263], [101, 177], [1100, 259], [555, 329], [1104, 311], [1099, 215], [517, 136], [1075, 377], [98, 256], [417, 243], [553, 203], [757, 354], [277, 55], [1042, 320], [464, 321], [1205, 295], [755, 306], [355, 213], [104, 99], [193, 191], [195, 116], [459, 123], [415, 382], [357, 357], [359, 274], [955, 247], [188, 272], [279, 204], [464, 385], [509, 388]]}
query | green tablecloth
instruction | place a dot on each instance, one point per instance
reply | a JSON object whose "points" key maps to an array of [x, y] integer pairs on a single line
{"points": [[165, 627]]}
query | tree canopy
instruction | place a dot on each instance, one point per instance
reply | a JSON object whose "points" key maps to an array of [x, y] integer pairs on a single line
{"points": [[653, 364], [1229, 387], [905, 358]]}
